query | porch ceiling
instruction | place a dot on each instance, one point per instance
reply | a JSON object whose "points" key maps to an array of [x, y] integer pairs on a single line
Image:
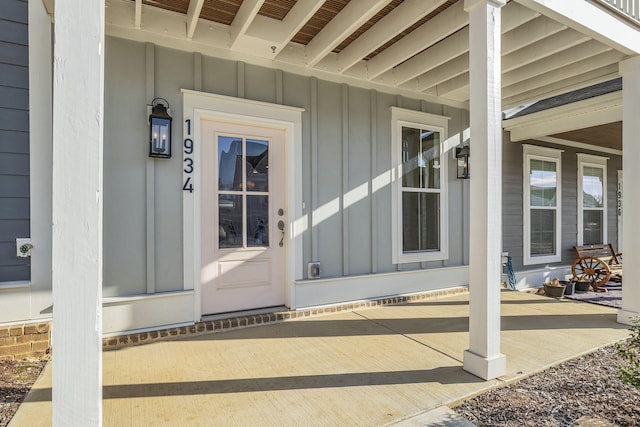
{"points": [[608, 135], [417, 47]]}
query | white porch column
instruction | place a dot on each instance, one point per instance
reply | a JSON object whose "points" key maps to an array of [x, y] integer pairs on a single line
{"points": [[630, 71], [483, 358], [77, 212]]}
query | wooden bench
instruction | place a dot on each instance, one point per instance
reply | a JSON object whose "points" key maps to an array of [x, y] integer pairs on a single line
{"points": [[597, 263]]}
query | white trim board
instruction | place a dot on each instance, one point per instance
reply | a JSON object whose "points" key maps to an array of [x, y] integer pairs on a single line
{"points": [[311, 293], [199, 106], [529, 279], [535, 152], [579, 145], [134, 312], [594, 111]]}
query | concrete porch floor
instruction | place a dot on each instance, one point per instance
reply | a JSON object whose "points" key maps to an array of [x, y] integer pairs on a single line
{"points": [[369, 367]]}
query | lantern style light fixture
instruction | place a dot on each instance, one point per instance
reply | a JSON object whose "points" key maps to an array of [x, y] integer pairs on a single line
{"points": [[462, 155], [160, 129]]}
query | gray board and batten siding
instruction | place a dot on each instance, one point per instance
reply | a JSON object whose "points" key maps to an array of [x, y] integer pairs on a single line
{"points": [[14, 138], [512, 200], [346, 142]]}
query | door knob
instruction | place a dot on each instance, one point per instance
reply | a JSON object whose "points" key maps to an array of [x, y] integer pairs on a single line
{"points": [[281, 228]]}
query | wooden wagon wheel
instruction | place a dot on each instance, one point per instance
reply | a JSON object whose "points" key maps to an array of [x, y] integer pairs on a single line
{"points": [[593, 269]]}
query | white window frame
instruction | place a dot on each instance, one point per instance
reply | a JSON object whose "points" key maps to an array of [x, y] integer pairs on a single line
{"points": [[534, 152], [417, 119], [596, 162]]}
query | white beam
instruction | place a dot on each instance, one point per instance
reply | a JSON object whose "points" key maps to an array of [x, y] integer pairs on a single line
{"points": [[546, 47], [395, 22], [162, 27], [594, 111], [247, 12], [606, 59], [450, 85], [78, 123], [447, 49], [436, 55], [444, 72], [578, 54], [587, 79], [442, 25], [518, 58], [193, 14], [630, 71], [137, 19], [354, 14], [515, 15], [483, 358], [594, 21], [528, 33]]}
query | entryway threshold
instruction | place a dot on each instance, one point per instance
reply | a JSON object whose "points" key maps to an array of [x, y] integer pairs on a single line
{"points": [[237, 320]]}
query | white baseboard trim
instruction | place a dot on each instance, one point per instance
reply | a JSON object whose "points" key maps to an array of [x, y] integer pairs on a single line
{"points": [[139, 312], [534, 278], [319, 292]]}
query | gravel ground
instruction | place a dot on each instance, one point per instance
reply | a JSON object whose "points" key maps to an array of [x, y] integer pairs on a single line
{"points": [[559, 396], [16, 379]]}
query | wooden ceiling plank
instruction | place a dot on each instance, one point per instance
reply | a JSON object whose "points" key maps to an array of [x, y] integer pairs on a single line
{"points": [[442, 25], [247, 12], [356, 13], [384, 30], [193, 14], [561, 59]]}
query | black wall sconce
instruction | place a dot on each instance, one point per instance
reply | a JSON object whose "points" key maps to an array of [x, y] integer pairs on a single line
{"points": [[160, 129], [462, 155]]}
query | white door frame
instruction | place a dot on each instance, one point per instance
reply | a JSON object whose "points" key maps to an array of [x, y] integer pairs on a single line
{"points": [[198, 106]]}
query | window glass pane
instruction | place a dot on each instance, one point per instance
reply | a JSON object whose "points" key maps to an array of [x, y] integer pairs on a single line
{"points": [[420, 158], [257, 165], [592, 185], [229, 163], [230, 221], [543, 183], [258, 221], [420, 222], [543, 232], [592, 227]]}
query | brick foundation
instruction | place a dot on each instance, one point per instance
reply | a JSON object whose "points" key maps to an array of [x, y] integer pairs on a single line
{"points": [[116, 342], [34, 339], [24, 341]]}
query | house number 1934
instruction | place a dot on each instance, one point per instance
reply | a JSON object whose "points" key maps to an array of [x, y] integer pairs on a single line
{"points": [[187, 147]]}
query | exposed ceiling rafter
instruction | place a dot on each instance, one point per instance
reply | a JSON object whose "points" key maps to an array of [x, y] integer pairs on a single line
{"points": [[193, 14], [247, 12], [354, 14]]}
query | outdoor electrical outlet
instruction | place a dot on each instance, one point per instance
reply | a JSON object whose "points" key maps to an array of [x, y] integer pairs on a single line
{"points": [[313, 270], [23, 248]]}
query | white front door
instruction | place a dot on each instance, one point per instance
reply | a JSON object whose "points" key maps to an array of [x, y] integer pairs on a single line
{"points": [[243, 217]]}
